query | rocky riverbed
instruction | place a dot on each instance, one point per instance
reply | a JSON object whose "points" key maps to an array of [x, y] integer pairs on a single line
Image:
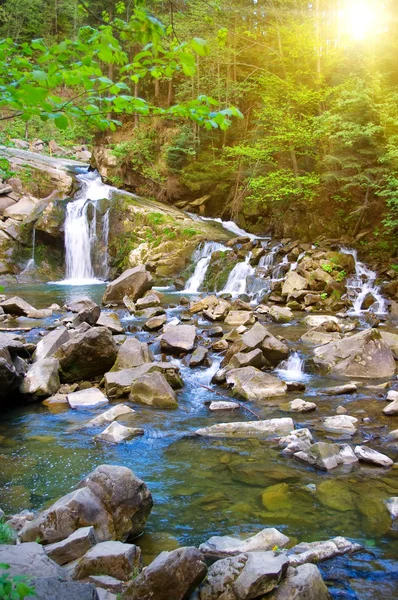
{"points": [[237, 416]]}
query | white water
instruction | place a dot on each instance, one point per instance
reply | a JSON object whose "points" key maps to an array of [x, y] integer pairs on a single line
{"points": [[202, 257], [292, 369], [362, 284], [237, 280], [81, 233]]}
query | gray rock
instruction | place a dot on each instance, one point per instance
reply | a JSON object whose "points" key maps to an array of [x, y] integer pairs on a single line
{"points": [[281, 314], [253, 384], [319, 338], [299, 440], [365, 454], [17, 306], [107, 582], [116, 433], [50, 343], [53, 589], [172, 575], [132, 283], [89, 315], [155, 323], [349, 388], [223, 405], [299, 405], [198, 356], [217, 311], [236, 318], [83, 303], [222, 546], [154, 390], [73, 547], [392, 507], [42, 379], [120, 410], [301, 583], [109, 558], [220, 578], [118, 383], [314, 552], [391, 409], [30, 559], [249, 429], [327, 456], [111, 321], [132, 353], [87, 398], [341, 424], [254, 358], [178, 339], [150, 300], [261, 574], [293, 283]]}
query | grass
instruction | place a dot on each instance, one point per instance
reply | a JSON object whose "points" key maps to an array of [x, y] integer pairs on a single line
{"points": [[6, 533]]}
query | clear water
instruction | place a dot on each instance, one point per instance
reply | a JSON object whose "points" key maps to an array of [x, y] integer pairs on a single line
{"points": [[205, 487]]}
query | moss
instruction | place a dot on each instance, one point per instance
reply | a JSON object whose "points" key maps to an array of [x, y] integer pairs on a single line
{"points": [[220, 267]]}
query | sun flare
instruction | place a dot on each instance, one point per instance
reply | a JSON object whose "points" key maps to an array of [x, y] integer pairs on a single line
{"points": [[363, 18]]}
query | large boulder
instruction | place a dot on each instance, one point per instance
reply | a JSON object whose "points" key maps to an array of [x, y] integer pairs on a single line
{"points": [[42, 379], [258, 337], [87, 355], [171, 576], [17, 306], [118, 383], [111, 499], [30, 559], [111, 321], [154, 390], [301, 583], [249, 429], [132, 283], [51, 588], [293, 283], [364, 355], [109, 558], [12, 366], [51, 342], [253, 384], [178, 339], [132, 353]]}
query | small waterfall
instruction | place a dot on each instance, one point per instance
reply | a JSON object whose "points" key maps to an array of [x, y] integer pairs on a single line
{"points": [[294, 265], [292, 369], [362, 284], [81, 237], [278, 272], [237, 283], [202, 258]]}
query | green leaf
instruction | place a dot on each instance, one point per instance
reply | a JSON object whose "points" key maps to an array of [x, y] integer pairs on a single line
{"points": [[61, 122], [188, 63], [200, 47]]}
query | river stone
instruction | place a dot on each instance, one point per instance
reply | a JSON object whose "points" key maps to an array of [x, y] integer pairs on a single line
{"points": [[249, 429], [218, 311], [204, 304], [153, 389], [109, 558], [88, 398], [293, 283], [112, 499], [314, 552], [301, 583], [339, 390], [391, 409], [298, 405], [155, 323], [87, 355], [223, 405], [297, 441], [132, 353], [341, 424], [50, 343], [150, 300], [111, 321], [336, 495], [253, 384], [172, 575], [319, 338], [42, 379], [281, 314], [73, 547], [120, 410], [363, 355], [392, 395], [222, 546], [89, 315], [220, 578], [392, 507], [254, 358], [327, 456], [116, 433], [108, 583], [178, 339], [261, 574], [118, 383], [17, 306], [79, 304], [239, 317], [132, 283], [368, 455], [30, 559], [199, 355], [51, 588], [220, 346]]}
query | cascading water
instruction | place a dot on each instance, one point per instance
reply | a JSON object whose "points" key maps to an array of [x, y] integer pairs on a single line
{"points": [[362, 284], [292, 369], [237, 283], [202, 258], [81, 237]]}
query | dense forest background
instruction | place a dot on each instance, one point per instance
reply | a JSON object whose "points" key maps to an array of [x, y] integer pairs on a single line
{"points": [[316, 150]]}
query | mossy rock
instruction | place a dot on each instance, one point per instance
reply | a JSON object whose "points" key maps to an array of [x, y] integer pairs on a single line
{"points": [[220, 267], [336, 495], [278, 497]]}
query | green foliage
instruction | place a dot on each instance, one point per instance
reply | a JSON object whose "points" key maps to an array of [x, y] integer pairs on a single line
{"points": [[189, 232], [340, 276], [5, 170], [327, 268], [14, 587], [324, 295], [6, 533]]}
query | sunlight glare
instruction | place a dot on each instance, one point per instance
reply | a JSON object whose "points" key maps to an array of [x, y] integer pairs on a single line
{"points": [[362, 18]]}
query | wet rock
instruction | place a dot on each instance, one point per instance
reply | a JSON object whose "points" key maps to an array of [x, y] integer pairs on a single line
{"points": [[222, 546], [252, 384], [317, 320], [220, 346], [153, 390], [172, 574], [150, 300], [391, 409], [50, 343], [341, 424], [368, 455], [88, 398], [116, 433], [178, 339], [155, 323], [73, 547], [118, 383], [223, 405], [249, 429], [111, 499], [111, 321], [29, 559], [84, 303], [392, 395], [132, 283], [87, 355], [17, 306], [254, 358], [392, 507], [132, 353], [339, 390], [293, 283], [120, 410], [319, 338], [301, 583], [327, 456], [299, 405], [109, 558], [198, 356], [297, 441], [89, 315], [42, 379], [336, 495], [239, 317], [314, 552], [363, 355], [281, 314], [217, 311]]}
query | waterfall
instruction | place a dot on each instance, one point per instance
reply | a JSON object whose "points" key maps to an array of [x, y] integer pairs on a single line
{"points": [[82, 243], [202, 258], [292, 369], [362, 284], [237, 283]]}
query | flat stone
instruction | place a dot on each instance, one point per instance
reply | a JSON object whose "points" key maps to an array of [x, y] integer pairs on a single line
{"points": [[120, 410], [29, 559], [391, 409], [52, 588], [341, 424], [109, 558], [314, 552], [281, 314], [368, 455], [223, 405], [349, 388], [154, 390], [42, 379], [254, 358], [111, 321], [249, 429], [73, 547], [327, 456], [178, 339], [261, 574], [239, 317], [50, 343], [88, 398], [253, 384], [299, 405], [198, 356], [392, 395], [107, 582], [132, 353], [222, 546], [116, 433], [155, 323]]}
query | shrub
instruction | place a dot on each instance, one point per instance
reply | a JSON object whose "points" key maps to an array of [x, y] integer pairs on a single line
{"points": [[14, 587]]}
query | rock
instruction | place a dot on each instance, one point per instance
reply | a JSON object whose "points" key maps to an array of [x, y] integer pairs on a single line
{"points": [[327, 456], [392, 395], [52, 589], [239, 317], [392, 340], [339, 390], [178, 339], [198, 356], [317, 320], [42, 379], [107, 582], [17, 306], [116, 433], [392, 507], [341, 424], [20, 209], [111, 499], [172, 575], [220, 346], [314, 552], [132, 353], [363, 355], [155, 323], [254, 358], [249, 429], [222, 546], [340, 410], [391, 409], [118, 383], [87, 355], [132, 283], [223, 405], [89, 315], [319, 338], [154, 390], [368, 455], [150, 300], [109, 558], [50, 343], [29, 559], [252, 384], [297, 441], [84, 303], [73, 547], [301, 583], [299, 405], [111, 321], [120, 410], [88, 398], [217, 311], [281, 314], [293, 283]]}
